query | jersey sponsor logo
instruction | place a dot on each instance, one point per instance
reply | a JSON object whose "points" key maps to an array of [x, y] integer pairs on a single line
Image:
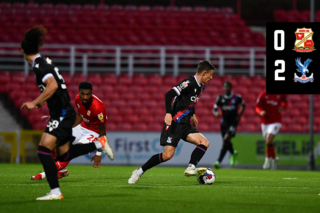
{"points": [[184, 84], [303, 69], [100, 116], [272, 103], [194, 98], [230, 107], [85, 120], [169, 140], [88, 112], [304, 42]]}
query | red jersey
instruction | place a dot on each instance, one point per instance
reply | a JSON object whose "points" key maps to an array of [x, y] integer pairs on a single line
{"points": [[270, 104], [92, 115]]}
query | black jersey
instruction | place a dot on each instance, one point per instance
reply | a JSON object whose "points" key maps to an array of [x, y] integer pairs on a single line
{"points": [[188, 92], [59, 102], [229, 106]]}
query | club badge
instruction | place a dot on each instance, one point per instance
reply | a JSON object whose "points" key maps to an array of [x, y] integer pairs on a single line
{"points": [[304, 42]]}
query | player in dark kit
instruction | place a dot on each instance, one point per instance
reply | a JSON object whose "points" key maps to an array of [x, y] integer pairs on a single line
{"points": [[229, 104], [58, 133], [177, 123]]}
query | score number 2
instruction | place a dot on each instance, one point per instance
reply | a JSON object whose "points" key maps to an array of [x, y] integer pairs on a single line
{"points": [[279, 47]]}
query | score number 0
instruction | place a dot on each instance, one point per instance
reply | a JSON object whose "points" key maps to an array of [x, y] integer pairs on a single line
{"points": [[278, 47]]}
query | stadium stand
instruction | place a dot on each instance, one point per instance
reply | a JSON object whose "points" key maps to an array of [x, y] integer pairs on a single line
{"points": [[294, 16], [137, 103], [128, 25]]}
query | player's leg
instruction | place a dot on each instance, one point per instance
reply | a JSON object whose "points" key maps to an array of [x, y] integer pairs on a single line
{"points": [[47, 143], [264, 128], [169, 139], [233, 153], [202, 145], [65, 152], [224, 148], [155, 160], [61, 166], [273, 130]]}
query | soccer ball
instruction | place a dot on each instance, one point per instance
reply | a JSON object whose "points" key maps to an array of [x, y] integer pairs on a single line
{"points": [[208, 178]]}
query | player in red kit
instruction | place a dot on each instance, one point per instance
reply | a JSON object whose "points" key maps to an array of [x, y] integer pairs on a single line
{"points": [[270, 107], [90, 125]]}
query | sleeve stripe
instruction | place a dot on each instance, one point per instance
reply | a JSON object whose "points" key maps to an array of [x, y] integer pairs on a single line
{"points": [[46, 77], [177, 91]]}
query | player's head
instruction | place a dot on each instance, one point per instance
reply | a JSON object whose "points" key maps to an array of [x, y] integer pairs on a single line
{"points": [[85, 92], [227, 87], [205, 71], [33, 40]]}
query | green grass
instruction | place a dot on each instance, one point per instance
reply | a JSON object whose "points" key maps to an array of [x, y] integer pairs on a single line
{"points": [[162, 189]]}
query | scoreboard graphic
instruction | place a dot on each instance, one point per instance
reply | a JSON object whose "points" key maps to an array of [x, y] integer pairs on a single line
{"points": [[293, 58]]}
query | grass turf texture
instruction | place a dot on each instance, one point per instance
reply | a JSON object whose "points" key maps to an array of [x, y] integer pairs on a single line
{"points": [[161, 189]]}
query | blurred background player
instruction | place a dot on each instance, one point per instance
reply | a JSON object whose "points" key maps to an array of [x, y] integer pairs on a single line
{"points": [[229, 104], [90, 125], [270, 107], [177, 123], [58, 133]]}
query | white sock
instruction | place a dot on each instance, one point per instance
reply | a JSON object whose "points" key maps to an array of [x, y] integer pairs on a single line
{"points": [[191, 165], [43, 175], [140, 171], [56, 191], [98, 144]]}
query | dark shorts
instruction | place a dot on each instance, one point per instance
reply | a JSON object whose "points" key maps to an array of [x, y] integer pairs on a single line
{"points": [[61, 130], [228, 128], [177, 131]]}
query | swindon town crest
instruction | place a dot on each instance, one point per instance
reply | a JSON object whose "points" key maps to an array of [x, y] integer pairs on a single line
{"points": [[304, 42]]}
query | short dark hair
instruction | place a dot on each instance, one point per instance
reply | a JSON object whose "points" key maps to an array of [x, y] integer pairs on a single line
{"points": [[33, 39], [228, 83], [205, 65], [85, 85]]}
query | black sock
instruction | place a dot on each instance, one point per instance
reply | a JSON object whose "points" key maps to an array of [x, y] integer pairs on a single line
{"points": [[230, 148], [76, 151], [223, 152], [49, 166], [153, 161], [197, 154], [227, 146]]}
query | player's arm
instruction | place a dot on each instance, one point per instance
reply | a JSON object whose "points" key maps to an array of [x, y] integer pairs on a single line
{"points": [[97, 157], [241, 110], [259, 105], [194, 118], [216, 107], [78, 120], [51, 88], [168, 99]]}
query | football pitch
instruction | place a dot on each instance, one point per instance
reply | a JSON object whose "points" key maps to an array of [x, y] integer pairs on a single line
{"points": [[161, 189]]}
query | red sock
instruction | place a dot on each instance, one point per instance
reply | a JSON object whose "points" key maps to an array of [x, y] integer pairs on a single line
{"points": [[54, 156], [270, 151], [61, 165]]}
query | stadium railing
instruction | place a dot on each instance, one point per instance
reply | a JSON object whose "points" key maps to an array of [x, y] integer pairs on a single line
{"points": [[162, 59]]}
